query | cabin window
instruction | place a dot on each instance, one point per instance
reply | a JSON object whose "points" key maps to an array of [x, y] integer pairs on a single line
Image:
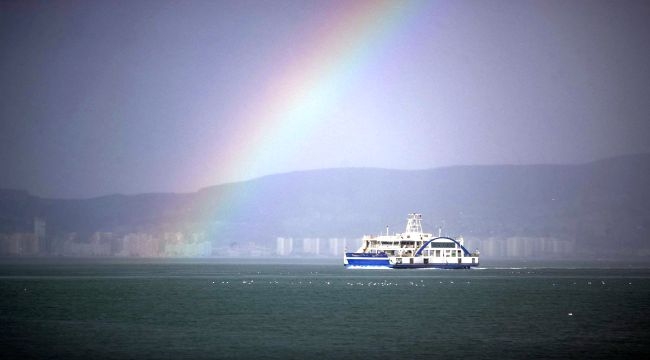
{"points": [[426, 260], [442, 244], [460, 260], [438, 253], [411, 260]]}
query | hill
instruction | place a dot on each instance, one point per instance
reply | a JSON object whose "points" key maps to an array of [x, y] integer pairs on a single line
{"points": [[598, 209]]}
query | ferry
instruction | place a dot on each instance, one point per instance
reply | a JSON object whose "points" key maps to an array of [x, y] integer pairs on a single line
{"points": [[411, 249]]}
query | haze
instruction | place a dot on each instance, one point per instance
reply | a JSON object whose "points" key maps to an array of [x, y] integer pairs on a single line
{"points": [[102, 97]]}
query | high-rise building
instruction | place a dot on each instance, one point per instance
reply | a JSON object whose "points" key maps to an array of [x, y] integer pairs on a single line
{"points": [[284, 246], [311, 246], [45, 246], [336, 246]]}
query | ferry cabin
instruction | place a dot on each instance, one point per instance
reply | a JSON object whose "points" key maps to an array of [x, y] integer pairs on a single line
{"points": [[393, 245], [399, 244], [439, 252]]}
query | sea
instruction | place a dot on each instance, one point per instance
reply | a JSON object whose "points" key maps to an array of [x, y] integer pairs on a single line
{"points": [[284, 309]]}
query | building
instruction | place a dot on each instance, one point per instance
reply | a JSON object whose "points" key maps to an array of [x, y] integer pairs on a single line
{"points": [[283, 246]]}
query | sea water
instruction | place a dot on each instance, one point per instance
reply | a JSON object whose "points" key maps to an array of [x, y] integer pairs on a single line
{"points": [[217, 309]]}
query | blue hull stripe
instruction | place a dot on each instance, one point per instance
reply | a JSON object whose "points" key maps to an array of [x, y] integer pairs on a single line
{"points": [[368, 262], [372, 260]]}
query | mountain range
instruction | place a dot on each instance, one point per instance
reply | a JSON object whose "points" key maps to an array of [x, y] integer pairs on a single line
{"points": [[601, 207]]}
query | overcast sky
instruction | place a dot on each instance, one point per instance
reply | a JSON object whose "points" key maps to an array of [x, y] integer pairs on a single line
{"points": [[102, 97]]}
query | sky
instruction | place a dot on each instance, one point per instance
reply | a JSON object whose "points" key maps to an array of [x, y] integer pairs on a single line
{"points": [[105, 97]]}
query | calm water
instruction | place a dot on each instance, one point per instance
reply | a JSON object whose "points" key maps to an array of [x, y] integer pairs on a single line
{"points": [[240, 311]]}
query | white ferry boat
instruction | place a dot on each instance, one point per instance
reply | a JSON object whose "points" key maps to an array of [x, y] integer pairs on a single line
{"points": [[411, 249]]}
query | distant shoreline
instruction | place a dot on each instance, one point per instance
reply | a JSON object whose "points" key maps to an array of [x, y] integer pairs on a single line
{"points": [[334, 261]]}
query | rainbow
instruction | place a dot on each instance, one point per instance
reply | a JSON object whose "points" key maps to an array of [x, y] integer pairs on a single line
{"points": [[291, 107]]}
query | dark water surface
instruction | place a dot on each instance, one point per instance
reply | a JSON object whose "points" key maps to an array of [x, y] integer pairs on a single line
{"points": [[217, 310]]}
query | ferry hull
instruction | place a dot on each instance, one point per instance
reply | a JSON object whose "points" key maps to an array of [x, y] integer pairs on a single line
{"points": [[382, 260], [433, 266], [366, 260]]}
